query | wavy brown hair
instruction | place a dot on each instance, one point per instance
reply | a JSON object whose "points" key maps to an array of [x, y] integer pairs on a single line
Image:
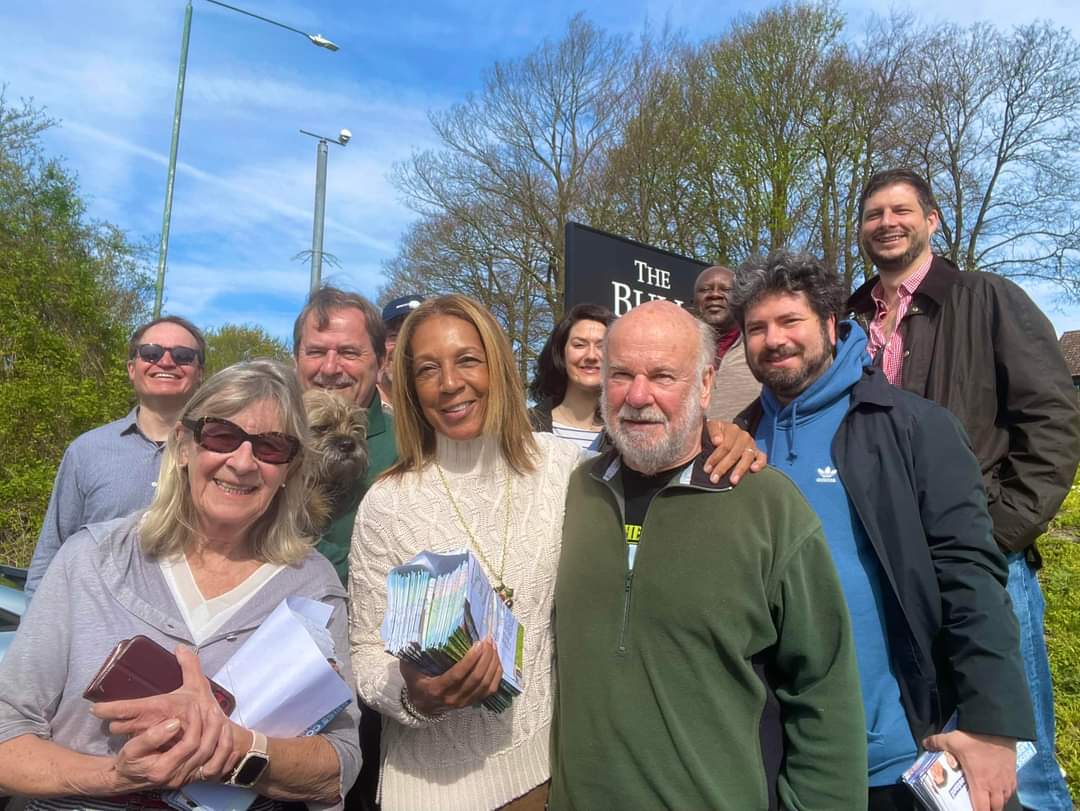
{"points": [[551, 375]]}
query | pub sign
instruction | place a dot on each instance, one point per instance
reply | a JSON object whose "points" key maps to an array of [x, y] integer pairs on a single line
{"points": [[620, 273]]}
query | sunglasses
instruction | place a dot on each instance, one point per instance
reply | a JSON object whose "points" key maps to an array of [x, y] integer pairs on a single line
{"points": [[221, 436], [181, 355]]}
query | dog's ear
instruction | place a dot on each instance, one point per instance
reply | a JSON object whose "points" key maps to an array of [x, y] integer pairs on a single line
{"points": [[318, 505]]}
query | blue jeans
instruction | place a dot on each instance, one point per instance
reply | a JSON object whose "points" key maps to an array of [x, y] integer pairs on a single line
{"points": [[1042, 788]]}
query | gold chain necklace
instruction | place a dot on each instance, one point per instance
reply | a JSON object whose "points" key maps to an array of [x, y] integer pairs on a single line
{"points": [[506, 594]]}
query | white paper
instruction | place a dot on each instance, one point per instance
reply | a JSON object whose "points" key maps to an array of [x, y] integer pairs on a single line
{"points": [[284, 687]]}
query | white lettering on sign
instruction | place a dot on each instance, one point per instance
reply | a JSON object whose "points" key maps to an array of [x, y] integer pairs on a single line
{"points": [[625, 298], [654, 277]]}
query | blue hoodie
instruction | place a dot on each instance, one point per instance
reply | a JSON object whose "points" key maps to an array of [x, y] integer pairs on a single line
{"points": [[798, 438]]}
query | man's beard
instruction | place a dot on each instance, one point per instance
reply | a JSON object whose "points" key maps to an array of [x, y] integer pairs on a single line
{"points": [[652, 456], [788, 384], [916, 245]]}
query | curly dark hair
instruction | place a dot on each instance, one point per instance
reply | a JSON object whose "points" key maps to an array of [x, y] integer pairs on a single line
{"points": [[786, 272], [550, 379], [890, 177]]}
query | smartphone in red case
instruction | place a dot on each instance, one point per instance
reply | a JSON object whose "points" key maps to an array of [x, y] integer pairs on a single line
{"points": [[139, 667]]}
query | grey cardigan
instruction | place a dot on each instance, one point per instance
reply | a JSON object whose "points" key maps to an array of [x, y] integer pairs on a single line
{"points": [[100, 589]]}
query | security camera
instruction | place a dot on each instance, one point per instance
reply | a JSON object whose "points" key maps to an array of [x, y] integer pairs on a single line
{"points": [[344, 136]]}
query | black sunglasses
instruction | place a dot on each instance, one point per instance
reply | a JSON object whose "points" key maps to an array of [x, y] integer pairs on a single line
{"points": [[221, 436], [181, 355]]}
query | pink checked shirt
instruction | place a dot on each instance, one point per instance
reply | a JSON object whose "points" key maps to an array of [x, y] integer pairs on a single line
{"points": [[892, 361]]}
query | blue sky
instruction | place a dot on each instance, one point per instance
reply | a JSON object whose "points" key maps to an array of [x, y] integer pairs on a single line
{"points": [[242, 210]]}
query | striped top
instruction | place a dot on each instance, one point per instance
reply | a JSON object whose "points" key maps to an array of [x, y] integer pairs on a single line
{"points": [[582, 437]]}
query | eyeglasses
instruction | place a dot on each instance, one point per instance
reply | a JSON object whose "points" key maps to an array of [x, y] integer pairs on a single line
{"points": [[181, 355], [221, 436]]}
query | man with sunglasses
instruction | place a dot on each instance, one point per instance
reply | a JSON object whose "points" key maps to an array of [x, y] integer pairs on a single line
{"points": [[112, 470]]}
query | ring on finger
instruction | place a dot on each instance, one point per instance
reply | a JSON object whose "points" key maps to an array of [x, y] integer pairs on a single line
{"points": [[200, 775], [749, 450]]}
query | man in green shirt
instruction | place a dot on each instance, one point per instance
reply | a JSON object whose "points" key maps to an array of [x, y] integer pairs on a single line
{"points": [[703, 647], [339, 342]]}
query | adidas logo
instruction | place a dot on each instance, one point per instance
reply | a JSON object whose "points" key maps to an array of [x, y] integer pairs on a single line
{"points": [[827, 475]]}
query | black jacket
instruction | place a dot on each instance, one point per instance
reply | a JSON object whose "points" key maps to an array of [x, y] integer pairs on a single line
{"points": [[975, 343], [914, 483]]}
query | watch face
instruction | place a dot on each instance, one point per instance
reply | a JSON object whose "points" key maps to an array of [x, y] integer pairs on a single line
{"points": [[250, 770]]}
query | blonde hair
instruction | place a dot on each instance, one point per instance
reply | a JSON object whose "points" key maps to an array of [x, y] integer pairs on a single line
{"points": [[505, 416], [284, 532]]}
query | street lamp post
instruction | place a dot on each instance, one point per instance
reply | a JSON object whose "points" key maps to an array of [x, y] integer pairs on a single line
{"points": [[163, 247], [320, 202]]}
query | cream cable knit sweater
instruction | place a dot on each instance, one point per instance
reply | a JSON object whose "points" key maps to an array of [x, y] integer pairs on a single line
{"points": [[473, 759]]}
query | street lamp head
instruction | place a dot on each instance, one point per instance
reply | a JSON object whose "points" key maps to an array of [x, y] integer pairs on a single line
{"points": [[322, 42], [344, 137]]}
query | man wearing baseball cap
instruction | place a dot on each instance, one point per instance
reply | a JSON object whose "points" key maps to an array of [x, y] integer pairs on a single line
{"points": [[393, 315]]}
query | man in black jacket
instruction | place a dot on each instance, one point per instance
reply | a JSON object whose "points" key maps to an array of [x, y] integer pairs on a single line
{"points": [[975, 343], [899, 495]]}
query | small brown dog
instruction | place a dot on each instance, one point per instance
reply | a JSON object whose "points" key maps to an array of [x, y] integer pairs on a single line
{"points": [[339, 447]]}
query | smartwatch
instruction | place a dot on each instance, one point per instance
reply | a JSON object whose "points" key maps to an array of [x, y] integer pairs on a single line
{"points": [[253, 765]]}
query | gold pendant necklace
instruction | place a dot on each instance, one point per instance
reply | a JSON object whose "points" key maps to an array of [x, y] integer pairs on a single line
{"points": [[506, 594]]}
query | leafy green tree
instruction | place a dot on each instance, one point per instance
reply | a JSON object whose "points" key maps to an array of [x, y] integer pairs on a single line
{"points": [[232, 343], [70, 292]]}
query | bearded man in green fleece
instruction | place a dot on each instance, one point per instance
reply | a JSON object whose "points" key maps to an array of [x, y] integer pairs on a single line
{"points": [[704, 650]]}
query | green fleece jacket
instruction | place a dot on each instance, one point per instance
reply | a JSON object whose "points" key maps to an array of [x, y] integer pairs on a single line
{"points": [[719, 673], [382, 452]]}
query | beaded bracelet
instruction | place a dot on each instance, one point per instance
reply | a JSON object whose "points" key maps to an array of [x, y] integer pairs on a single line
{"points": [[412, 712]]}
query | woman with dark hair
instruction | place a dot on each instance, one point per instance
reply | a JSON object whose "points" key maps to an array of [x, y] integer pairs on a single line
{"points": [[567, 383]]}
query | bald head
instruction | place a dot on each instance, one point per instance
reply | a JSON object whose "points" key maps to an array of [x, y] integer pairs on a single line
{"points": [[657, 382], [664, 322], [711, 291]]}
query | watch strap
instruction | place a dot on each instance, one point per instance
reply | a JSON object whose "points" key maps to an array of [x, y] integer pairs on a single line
{"points": [[259, 744], [257, 752]]}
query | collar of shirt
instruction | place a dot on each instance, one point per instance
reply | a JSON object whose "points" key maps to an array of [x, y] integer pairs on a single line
{"points": [[130, 425], [907, 287], [724, 343]]}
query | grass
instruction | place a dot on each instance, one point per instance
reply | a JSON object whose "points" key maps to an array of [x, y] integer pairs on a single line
{"points": [[1060, 580]]}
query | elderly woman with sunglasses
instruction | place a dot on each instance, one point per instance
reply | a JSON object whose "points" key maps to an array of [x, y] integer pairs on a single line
{"points": [[225, 540], [470, 474]]}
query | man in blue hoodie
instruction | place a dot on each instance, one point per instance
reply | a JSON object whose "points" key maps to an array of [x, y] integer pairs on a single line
{"points": [[899, 494]]}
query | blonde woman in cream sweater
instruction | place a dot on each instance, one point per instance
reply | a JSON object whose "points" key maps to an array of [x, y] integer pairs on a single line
{"points": [[470, 474]]}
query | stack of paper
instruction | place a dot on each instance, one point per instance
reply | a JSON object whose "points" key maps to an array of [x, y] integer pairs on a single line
{"points": [[284, 685], [439, 605], [938, 781]]}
